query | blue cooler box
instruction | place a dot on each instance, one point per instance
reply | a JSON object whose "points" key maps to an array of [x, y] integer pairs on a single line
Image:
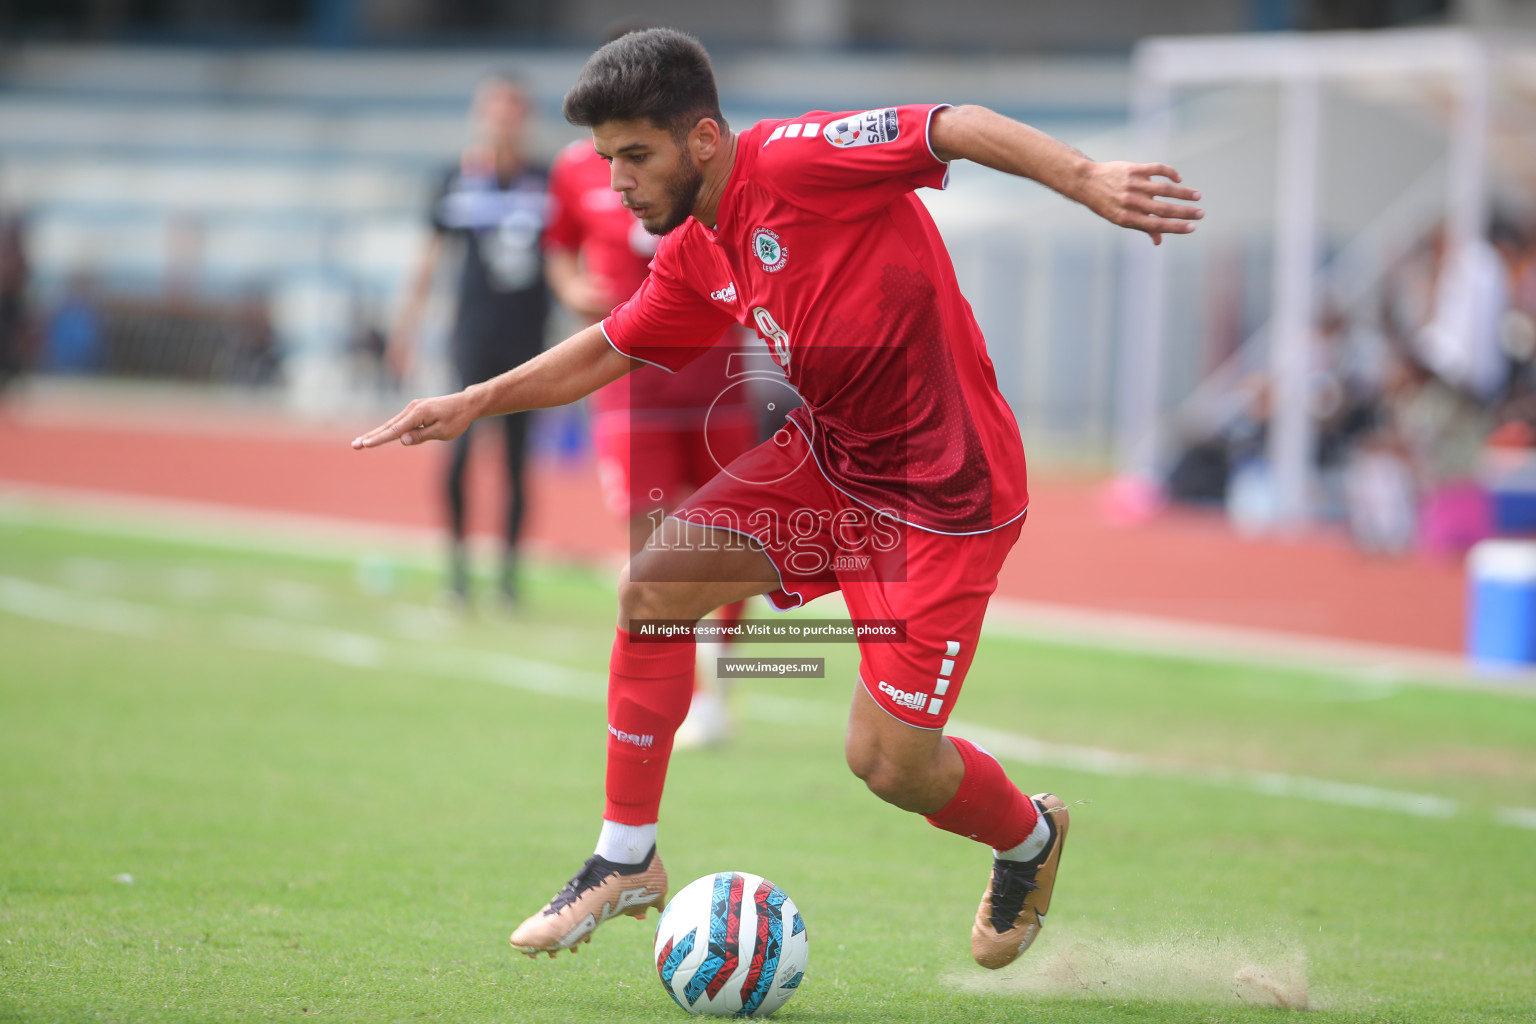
{"points": [[1514, 511], [1501, 603], [1509, 477]]}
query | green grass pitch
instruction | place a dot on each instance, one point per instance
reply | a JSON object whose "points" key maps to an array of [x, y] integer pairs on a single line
{"points": [[242, 782]]}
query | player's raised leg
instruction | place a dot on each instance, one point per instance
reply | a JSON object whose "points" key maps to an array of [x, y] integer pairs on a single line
{"points": [[681, 575], [960, 788], [896, 743]]}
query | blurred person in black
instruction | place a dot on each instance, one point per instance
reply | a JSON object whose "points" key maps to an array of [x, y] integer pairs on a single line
{"points": [[255, 359], [13, 300], [494, 203]]}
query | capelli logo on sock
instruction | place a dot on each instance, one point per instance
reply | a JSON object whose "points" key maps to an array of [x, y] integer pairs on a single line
{"points": [[632, 738]]}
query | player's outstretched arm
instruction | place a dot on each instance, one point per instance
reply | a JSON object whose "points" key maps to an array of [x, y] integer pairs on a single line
{"points": [[573, 369], [1128, 194]]}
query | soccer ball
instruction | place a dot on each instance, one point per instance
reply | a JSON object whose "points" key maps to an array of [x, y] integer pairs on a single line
{"points": [[731, 945], [843, 133]]}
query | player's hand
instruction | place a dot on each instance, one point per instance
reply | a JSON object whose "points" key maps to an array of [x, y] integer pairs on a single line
{"points": [[425, 419], [1134, 196]]}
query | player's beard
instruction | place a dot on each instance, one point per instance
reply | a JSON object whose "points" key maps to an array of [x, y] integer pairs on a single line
{"points": [[682, 192]]}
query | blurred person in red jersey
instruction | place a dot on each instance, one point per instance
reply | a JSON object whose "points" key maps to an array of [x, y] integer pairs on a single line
{"points": [[494, 205], [657, 436]]}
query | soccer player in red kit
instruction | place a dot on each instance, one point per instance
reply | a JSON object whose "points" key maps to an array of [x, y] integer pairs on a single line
{"points": [[900, 482], [649, 427]]}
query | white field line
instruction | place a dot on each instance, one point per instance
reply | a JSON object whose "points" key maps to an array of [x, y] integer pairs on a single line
{"points": [[65, 608], [226, 527], [1378, 666], [365, 651], [208, 524], [1519, 817], [1097, 761]]}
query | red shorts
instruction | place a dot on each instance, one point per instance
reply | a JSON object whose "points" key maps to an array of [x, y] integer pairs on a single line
{"points": [[820, 540], [653, 467]]}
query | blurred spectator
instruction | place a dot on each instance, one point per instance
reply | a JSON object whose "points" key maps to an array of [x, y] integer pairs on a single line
{"points": [[368, 349], [1402, 413], [1252, 502], [1348, 382], [185, 242], [254, 356], [1457, 364], [494, 202], [1516, 246], [1227, 464], [1380, 497], [1460, 342], [1436, 429], [75, 333], [14, 273], [1201, 472]]}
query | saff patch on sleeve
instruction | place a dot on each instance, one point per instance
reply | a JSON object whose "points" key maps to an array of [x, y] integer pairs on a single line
{"points": [[870, 128]]}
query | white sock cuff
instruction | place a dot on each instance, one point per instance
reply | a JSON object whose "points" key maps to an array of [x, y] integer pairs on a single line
{"points": [[1032, 845], [625, 844]]}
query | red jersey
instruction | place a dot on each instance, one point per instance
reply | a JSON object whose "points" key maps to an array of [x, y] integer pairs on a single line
{"points": [[822, 247], [590, 220]]}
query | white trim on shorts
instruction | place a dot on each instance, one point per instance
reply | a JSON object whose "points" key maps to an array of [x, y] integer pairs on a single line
{"points": [[865, 683]]}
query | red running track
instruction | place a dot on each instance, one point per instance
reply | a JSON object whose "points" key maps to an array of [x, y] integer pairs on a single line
{"points": [[1183, 566]]}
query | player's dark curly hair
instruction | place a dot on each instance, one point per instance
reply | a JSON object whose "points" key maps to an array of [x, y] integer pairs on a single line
{"points": [[660, 75]]}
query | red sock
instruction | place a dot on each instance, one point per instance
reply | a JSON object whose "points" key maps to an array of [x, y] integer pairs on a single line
{"points": [[731, 613], [649, 686], [987, 807]]}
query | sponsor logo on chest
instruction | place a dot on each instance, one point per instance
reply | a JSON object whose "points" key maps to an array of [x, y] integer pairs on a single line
{"points": [[770, 252], [726, 294]]}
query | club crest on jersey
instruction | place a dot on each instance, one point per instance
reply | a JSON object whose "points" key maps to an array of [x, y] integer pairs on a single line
{"points": [[867, 129], [769, 250]]}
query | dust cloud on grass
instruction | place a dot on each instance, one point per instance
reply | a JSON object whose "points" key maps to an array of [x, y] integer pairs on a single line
{"points": [[1179, 968]]}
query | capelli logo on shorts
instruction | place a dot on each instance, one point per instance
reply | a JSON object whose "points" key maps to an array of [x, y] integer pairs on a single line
{"points": [[907, 699], [632, 738]]}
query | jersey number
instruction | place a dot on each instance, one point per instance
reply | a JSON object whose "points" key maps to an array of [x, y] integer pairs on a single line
{"points": [[773, 334]]}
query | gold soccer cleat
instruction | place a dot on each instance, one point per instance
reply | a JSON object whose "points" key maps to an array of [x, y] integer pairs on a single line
{"points": [[1014, 905], [601, 890]]}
